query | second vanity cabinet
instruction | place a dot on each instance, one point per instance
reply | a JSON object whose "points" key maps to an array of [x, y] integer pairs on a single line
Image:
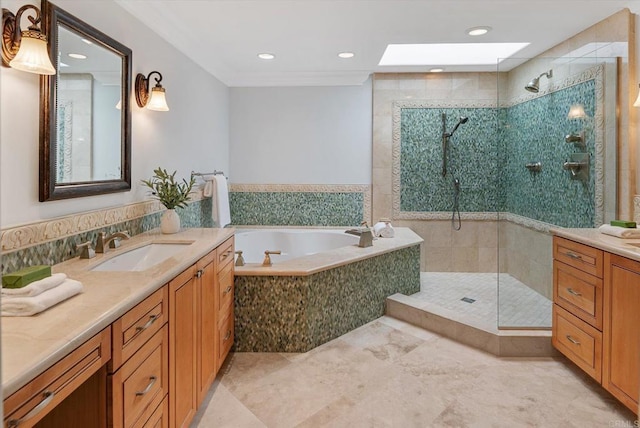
{"points": [[596, 314]]}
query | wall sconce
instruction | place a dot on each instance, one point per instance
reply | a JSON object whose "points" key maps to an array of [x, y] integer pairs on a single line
{"points": [[637, 103], [576, 111], [155, 100], [25, 50]]}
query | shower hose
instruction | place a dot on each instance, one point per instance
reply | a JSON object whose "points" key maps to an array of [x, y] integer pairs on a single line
{"points": [[456, 223]]}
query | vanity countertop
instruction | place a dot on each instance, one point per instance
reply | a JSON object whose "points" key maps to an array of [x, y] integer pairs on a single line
{"points": [[30, 345], [629, 248]]}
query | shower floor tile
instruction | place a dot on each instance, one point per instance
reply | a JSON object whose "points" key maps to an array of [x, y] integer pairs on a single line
{"points": [[519, 306]]}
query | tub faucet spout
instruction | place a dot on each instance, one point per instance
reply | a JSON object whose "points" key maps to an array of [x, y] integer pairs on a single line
{"points": [[366, 237]]}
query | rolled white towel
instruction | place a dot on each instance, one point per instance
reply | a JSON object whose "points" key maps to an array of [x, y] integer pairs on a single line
{"points": [[35, 288], [620, 232], [27, 306], [383, 229]]}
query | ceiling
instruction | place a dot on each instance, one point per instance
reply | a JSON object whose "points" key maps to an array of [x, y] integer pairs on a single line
{"points": [[225, 36]]}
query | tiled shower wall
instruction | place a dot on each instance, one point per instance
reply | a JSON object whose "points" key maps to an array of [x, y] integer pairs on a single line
{"points": [[488, 158]]}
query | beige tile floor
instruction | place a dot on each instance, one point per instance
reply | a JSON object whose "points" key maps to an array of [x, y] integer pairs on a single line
{"points": [[391, 374]]}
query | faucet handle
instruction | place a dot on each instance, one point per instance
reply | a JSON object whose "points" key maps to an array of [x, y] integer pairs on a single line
{"points": [[267, 257], [240, 259], [86, 250]]}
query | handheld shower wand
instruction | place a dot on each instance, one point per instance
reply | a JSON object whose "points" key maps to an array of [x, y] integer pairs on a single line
{"points": [[445, 139]]}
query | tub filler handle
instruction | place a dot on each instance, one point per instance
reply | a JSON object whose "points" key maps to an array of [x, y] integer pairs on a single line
{"points": [[267, 257]]}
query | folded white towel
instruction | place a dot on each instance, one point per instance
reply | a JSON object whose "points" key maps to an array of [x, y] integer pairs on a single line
{"points": [[620, 232], [35, 288], [27, 306], [220, 211]]}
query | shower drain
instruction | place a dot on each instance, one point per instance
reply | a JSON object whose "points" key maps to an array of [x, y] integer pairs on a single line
{"points": [[468, 299]]}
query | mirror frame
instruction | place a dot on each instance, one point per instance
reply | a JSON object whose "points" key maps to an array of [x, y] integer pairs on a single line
{"points": [[49, 189]]}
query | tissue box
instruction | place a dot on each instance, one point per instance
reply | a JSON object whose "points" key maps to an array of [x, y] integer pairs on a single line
{"points": [[623, 223], [25, 276]]}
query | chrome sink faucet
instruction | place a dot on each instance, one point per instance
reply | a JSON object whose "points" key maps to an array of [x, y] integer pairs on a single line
{"points": [[113, 241]]}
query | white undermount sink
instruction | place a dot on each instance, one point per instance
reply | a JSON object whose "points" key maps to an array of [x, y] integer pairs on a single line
{"points": [[142, 258]]}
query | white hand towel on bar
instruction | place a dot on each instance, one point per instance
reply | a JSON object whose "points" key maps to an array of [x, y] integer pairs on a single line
{"points": [[620, 232], [35, 288], [27, 306], [220, 211], [208, 186]]}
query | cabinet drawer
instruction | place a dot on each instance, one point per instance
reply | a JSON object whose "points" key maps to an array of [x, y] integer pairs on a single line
{"points": [[580, 256], [159, 418], [142, 382], [134, 328], [225, 291], [578, 341], [578, 293], [33, 401], [225, 253], [225, 337]]}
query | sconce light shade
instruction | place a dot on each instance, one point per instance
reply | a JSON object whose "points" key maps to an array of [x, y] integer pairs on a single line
{"points": [[156, 100], [25, 50], [637, 103], [576, 111]]}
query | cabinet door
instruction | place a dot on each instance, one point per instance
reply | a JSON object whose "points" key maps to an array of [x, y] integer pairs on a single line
{"points": [[207, 304], [182, 348], [621, 371]]}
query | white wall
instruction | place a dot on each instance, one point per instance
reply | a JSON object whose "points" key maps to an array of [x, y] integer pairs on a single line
{"points": [[194, 135], [301, 135]]}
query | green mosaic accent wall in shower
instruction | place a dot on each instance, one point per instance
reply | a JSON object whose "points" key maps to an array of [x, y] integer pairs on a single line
{"points": [[472, 159], [488, 155], [296, 208], [296, 314], [196, 214], [534, 131]]}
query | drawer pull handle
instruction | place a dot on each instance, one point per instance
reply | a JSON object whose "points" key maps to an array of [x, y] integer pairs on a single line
{"points": [[152, 319], [227, 290], [227, 336], [226, 254], [199, 273], [572, 340], [574, 255], [574, 292], [152, 381], [48, 398]]}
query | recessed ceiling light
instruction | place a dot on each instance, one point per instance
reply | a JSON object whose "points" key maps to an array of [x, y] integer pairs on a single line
{"points": [[449, 53], [89, 42], [478, 31], [77, 56], [346, 55], [436, 70], [266, 55]]}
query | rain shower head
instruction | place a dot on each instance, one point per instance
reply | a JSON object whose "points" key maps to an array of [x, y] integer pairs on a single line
{"points": [[534, 85]]}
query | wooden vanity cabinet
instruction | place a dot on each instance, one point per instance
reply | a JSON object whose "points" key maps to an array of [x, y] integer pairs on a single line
{"points": [[621, 334], [139, 367], [596, 314], [71, 389]]}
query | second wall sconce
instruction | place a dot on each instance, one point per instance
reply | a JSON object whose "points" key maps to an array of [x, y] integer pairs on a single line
{"points": [[25, 50], [154, 99]]}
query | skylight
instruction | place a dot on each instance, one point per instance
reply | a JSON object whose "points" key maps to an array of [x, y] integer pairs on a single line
{"points": [[449, 53]]}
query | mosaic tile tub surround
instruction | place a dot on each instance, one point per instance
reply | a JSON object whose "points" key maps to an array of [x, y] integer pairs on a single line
{"points": [[298, 313], [488, 154], [299, 205]]}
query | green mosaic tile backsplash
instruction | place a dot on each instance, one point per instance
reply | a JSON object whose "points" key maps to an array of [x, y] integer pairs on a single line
{"points": [[296, 208]]}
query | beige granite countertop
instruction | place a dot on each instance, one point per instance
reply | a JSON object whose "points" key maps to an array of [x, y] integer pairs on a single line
{"points": [[308, 265], [612, 244], [30, 345]]}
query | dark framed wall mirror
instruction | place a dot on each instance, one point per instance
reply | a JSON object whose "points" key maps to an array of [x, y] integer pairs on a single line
{"points": [[85, 122]]}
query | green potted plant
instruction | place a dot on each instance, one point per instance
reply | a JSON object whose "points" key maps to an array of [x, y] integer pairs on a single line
{"points": [[172, 194]]}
